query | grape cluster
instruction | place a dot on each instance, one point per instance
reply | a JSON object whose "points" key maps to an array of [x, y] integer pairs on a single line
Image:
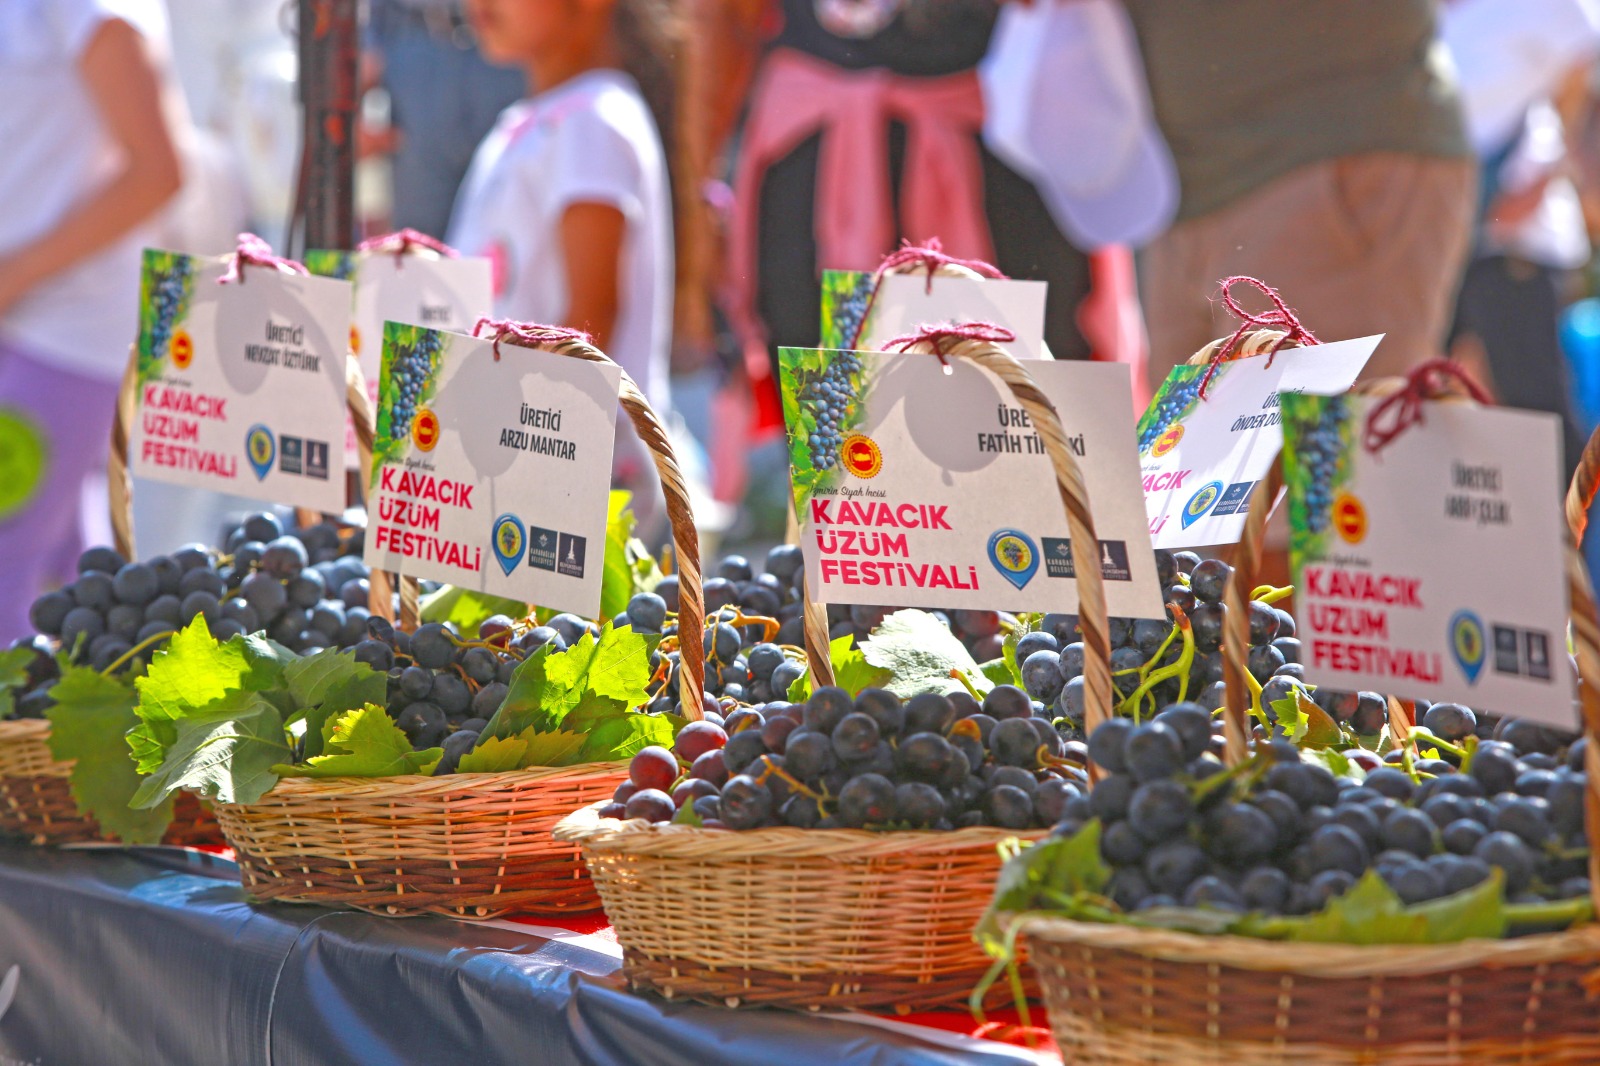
{"points": [[750, 619], [871, 762], [1171, 407], [1318, 451], [305, 589], [1147, 654], [412, 370], [831, 398], [166, 298], [851, 308], [442, 690], [1287, 836]]}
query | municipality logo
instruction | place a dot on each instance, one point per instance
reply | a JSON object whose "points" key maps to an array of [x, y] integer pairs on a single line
{"points": [[1201, 502], [507, 537], [1467, 644], [261, 448], [1015, 555]]}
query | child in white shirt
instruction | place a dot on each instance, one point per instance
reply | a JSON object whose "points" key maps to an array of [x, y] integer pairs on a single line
{"points": [[569, 195]]}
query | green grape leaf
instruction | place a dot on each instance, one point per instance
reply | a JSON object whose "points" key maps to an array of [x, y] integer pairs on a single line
{"points": [[365, 743], [920, 655], [596, 676], [311, 679], [622, 737], [618, 580], [1368, 913], [552, 749], [1478, 912], [1333, 761], [192, 672], [91, 714], [13, 675], [687, 816], [999, 672], [1008, 656], [1061, 866], [465, 609], [1306, 724], [225, 751], [851, 671], [348, 694], [496, 755]]}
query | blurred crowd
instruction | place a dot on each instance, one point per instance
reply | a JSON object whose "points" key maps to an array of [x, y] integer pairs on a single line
{"points": [[673, 175]]}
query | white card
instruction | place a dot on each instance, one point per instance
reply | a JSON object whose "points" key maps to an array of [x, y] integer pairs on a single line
{"points": [[1435, 568], [936, 492], [242, 385], [904, 303], [441, 293], [489, 473], [1202, 459]]}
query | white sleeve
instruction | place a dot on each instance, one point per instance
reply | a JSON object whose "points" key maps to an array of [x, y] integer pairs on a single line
{"points": [[601, 166], [75, 21]]}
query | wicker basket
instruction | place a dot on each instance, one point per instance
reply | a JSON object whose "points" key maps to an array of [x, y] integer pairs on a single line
{"points": [[839, 918], [1120, 994], [466, 845], [469, 845], [36, 796], [826, 918]]}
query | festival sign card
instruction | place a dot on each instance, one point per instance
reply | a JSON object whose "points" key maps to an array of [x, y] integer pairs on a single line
{"points": [[1435, 567], [242, 383], [927, 486], [420, 289], [904, 303], [1202, 457], [492, 472]]}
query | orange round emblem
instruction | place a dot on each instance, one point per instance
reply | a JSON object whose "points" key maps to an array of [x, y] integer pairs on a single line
{"points": [[1350, 519], [861, 455], [355, 339], [425, 429], [182, 350], [1167, 441]]}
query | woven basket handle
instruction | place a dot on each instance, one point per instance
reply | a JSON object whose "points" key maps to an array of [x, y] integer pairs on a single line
{"points": [[1246, 557], [1585, 484], [1586, 643], [119, 479], [685, 537], [1080, 523]]}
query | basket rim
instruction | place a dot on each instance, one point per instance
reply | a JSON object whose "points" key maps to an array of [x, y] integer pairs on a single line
{"points": [[1313, 959], [587, 829], [12, 729], [314, 789]]}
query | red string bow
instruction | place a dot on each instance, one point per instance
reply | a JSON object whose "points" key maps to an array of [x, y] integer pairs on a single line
{"points": [[528, 334], [1281, 316], [938, 336], [402, 241], [931, 257], [1395, 414], [257, 252]]}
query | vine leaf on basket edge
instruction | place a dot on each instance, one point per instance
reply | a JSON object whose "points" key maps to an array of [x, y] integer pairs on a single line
{"points": [[365, 743], [91, 714]]}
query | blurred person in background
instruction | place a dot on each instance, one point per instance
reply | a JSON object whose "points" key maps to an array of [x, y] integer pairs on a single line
{"points": [[89, 161], [570, 195], [1525, 67], [863, 128], [443, 99], [1320, 148]]}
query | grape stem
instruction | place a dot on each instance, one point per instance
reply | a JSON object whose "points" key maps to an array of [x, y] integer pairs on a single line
{"points": [[966, 683], [795, 783], [1269, 595], [1178, 669], [136, 649]]}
